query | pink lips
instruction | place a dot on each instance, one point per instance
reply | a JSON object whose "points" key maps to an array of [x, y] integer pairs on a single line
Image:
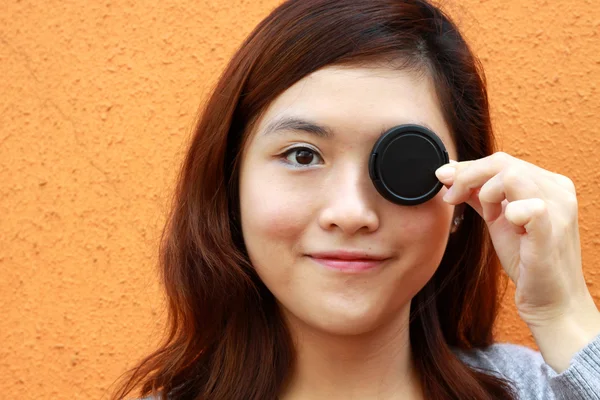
{"points": [[348, 261]]}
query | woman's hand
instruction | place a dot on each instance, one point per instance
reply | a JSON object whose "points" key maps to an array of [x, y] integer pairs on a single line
{"points": [[532, 218]]}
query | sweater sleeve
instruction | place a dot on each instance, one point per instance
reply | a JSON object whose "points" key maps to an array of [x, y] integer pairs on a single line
{"points": [[582, 379], [533, 379]]}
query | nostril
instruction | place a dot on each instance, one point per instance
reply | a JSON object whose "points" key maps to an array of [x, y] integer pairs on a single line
{"points": [[349, 219]]}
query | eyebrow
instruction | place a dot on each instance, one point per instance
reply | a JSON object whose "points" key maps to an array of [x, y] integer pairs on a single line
{"points": [[290, 123]]}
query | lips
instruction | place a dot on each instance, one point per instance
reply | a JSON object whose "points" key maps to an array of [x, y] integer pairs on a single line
{"points": [[349, 260]]}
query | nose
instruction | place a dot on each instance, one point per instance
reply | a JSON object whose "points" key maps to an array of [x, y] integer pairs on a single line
{"points": [[350, 207]]}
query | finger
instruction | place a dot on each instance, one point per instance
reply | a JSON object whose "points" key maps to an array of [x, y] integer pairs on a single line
{"points": [[445, 173], [491, 196], [562, 196], [558, 187], [555, 189], [564, 182], [466, 175], [500, 159], [474, 202], [474, 174], [533, 216], [512, 184]]}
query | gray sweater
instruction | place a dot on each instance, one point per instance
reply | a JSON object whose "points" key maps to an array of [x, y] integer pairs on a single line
{"points": [[532, 377]]}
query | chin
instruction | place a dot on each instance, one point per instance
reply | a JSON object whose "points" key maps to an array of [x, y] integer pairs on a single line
{"points": [[347, 321]]}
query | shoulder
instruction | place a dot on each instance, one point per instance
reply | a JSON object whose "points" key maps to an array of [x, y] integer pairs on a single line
{"points": [[521, 365], [503, 357]]}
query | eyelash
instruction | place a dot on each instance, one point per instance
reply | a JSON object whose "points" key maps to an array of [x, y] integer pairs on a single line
{"points": [[290, 151]]}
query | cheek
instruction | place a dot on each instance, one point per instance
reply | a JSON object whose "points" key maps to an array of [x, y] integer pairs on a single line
{"points": [[423, 235], [274, 216], [271, 210], [429, 220]]}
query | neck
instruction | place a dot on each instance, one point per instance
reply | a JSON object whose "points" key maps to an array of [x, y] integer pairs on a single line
{"points": [[373, 365]]}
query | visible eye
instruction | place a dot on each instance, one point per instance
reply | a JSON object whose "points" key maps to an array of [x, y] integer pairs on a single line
{"points": [[301, 156]]}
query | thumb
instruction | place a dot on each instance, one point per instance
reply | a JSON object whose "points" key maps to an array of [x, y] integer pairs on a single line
{"points": [[532, 215]]}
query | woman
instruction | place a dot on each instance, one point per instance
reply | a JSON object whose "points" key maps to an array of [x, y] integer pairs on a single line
{"points": [[289, 276]]}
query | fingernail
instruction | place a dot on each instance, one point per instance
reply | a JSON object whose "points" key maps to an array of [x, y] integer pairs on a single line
{"points": [[448, 194], [445, 172]]}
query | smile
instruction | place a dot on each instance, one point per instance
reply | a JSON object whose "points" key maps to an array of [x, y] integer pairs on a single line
{"points": [[350, 262]]}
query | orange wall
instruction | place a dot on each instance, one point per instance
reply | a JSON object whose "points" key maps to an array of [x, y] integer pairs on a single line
{"points": [[97, 101]]}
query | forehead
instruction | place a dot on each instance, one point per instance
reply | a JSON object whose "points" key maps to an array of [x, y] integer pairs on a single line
{"points": [[361, 102]]}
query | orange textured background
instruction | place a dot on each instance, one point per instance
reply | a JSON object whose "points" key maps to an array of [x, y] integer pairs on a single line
{"points": [[97, 102]]}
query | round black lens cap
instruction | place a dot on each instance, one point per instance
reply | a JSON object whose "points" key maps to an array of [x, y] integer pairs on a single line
{"points": [[403, 163]]}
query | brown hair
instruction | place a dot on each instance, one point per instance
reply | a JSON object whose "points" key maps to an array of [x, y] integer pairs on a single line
{"points": [[226, 337]]}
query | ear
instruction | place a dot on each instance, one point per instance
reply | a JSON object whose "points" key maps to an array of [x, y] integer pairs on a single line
{"points": [[457, 217], [459, 210]]}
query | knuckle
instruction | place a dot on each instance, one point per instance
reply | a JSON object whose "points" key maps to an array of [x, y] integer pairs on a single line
{"points": [[500, 159], [566, 182], [485, 193], [543, 206], [459, 177], [571, 204], [502, 156], [562, 225], [462, 167], [571, 199], [512, 176]]}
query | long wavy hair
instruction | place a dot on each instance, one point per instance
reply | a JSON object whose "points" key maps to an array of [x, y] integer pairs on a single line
{"points": [[226, 338]]}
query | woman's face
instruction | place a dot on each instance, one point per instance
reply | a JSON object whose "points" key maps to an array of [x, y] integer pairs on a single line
{"points": [[307, 200]]}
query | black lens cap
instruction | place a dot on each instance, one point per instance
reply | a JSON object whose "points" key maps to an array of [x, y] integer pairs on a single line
{"points": [[403, 163]]}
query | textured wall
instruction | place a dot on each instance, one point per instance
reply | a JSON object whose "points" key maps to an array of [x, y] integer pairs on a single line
{"points": [[97, 102]]}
